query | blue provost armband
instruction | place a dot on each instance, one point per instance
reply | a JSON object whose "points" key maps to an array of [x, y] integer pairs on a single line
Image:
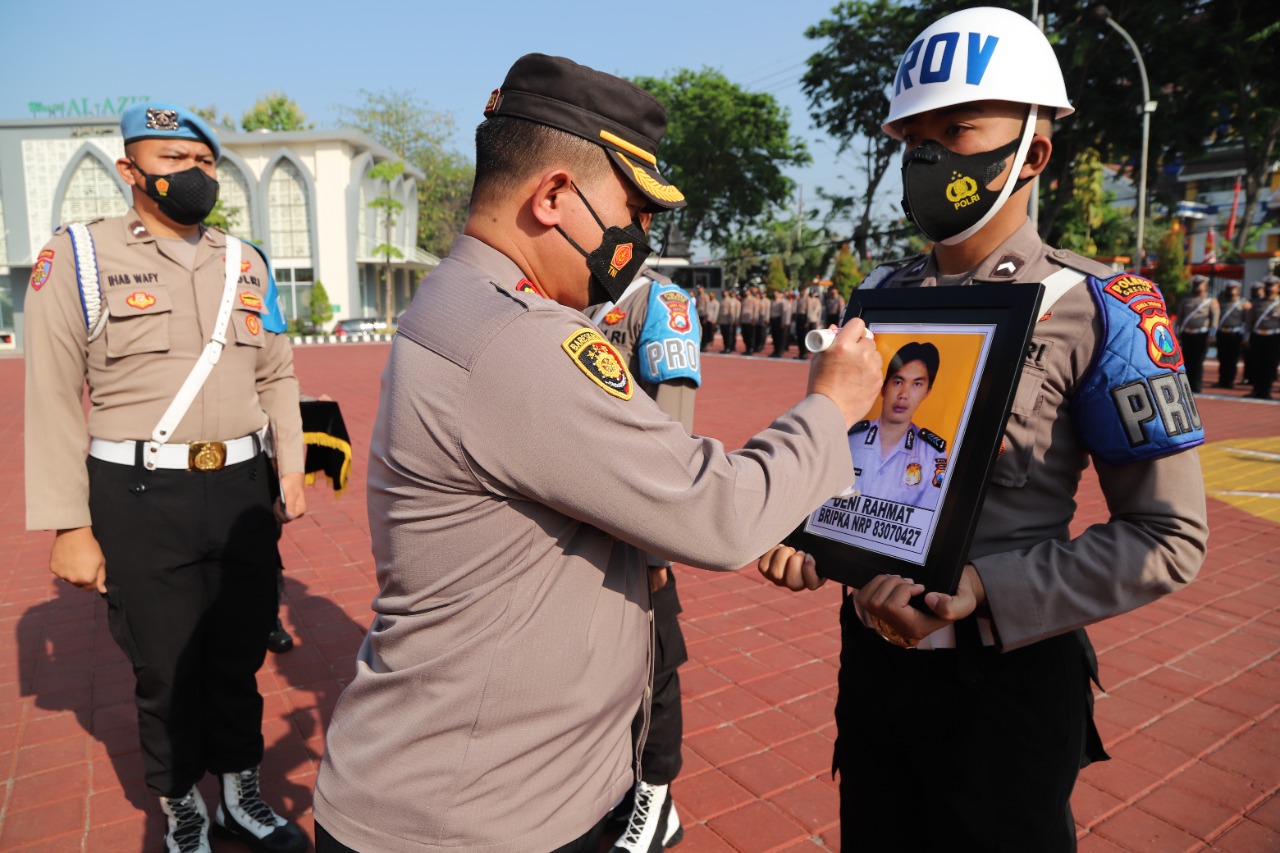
{"points": [[1135, 401], [671, 337], [272, 317]]}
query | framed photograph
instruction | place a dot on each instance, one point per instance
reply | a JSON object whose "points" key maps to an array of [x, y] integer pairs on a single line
{"points": [[924, 453]]}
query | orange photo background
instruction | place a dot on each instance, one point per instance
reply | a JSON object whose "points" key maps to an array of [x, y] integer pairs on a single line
{"points": [[957, 362]]}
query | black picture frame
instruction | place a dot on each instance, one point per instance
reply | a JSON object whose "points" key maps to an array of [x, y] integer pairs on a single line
{"points": [[844, 548]]}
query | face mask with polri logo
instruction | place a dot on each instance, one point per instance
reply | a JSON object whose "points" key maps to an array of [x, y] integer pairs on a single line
{"points": [[614, 263], [946, 194]]}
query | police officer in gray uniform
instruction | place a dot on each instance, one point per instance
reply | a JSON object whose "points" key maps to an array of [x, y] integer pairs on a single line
{"points": [[518, 485], [1197, 320], [964, 725], [1230, 334]]}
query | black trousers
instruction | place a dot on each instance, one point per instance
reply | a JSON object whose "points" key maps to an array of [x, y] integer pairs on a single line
{"points": [[191, 592], [1195, 345], [661, 761], [780, 342], [708, 334], [968, 749], [1266, 360], [748, 337], [729, 334], [1228, 358]]}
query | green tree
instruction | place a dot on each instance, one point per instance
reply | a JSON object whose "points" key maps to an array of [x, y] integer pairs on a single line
{"points": [[846, 81], [321, 309], [387, 170], [225, 218], [274, 111], [725, 148], [777, 279], [846, 276], [1170, 271], [210, 115], [408, 126]]}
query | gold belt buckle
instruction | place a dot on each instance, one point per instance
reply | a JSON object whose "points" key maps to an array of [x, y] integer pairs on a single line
{"points": [[206, 455]]}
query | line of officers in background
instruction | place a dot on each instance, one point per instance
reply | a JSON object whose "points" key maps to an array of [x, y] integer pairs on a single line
{"points": [[785, 316], [1239, 327]]}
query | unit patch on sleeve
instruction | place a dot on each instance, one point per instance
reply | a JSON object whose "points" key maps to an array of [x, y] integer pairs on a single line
{"points": [[249, 300], [1135, 402], [597, 358], [42, 269]]}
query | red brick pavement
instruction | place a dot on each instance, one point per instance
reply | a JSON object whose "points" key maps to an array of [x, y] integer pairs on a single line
{"points": [[1190, 713]]}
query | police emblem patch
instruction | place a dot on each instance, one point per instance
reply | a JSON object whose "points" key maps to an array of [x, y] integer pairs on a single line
{"points": [[1162, 346], [253, 324], [621, 257], [678, 306], [939, 471], [913, 475], [251, 300], [1126, 287], [244, 266], [42, 269], [162, 186], [162, 119], [600, 361], [614, 317], [140, 300]]}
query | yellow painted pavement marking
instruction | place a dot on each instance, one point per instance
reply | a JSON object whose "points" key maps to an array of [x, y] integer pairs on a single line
{"points": [[1245, 473]]}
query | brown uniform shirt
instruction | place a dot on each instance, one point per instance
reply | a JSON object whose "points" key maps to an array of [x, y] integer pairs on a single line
{"points": [[1198, 315], [161, 316], [511, 500], [1039, 581]]}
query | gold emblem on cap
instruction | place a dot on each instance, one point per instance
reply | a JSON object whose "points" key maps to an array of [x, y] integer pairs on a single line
{"points": [[646, 182], [162, 119]]}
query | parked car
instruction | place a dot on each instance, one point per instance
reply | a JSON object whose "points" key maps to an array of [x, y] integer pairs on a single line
{"points": [[359, 326]]}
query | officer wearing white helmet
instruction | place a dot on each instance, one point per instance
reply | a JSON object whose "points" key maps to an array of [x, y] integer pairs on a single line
{"points": [[964, 726]]}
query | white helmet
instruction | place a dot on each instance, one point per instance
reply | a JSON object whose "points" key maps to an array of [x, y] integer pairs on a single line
{"points": [[977, 54]]}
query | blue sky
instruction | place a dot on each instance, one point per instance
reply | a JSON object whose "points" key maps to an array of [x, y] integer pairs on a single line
{"points": [[451, 55]]}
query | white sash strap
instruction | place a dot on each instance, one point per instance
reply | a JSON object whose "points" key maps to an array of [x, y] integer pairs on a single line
{"points": [[208, 358], [1257, 324], [1056, 286]]}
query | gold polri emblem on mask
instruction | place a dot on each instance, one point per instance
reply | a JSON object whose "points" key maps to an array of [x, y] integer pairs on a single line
{"points": [[597, 358], [962, 191]]}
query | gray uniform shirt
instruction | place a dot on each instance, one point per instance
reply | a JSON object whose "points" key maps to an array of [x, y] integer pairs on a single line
{"points": [[1039, 581], [512, 499]]}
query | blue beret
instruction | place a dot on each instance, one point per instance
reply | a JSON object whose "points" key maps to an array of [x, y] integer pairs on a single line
{"points": [[154, 120]]}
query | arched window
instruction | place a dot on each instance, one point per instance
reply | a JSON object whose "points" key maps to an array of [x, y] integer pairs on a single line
{"points": [[92, 193], [289, 216], [4, 246], [233, 192]]}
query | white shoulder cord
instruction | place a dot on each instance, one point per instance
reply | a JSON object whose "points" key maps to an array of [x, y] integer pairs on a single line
{"points": [[95, 312], [204, 364]]}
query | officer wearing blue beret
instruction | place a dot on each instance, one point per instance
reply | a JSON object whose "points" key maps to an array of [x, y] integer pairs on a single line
{"points": [[173, 516]]}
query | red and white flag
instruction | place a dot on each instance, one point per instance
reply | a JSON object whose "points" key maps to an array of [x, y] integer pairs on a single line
{"points": [[1235, 203], [1211, 246]]}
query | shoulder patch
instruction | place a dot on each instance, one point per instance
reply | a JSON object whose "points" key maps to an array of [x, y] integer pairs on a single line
{"points": [[860, 426], [597, 358], [1135, 401], [42, 269], [934, 440]]}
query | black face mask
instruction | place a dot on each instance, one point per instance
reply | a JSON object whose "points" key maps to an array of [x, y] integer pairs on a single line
{"points": [[945, 194], [615, 262], [186, 197]]}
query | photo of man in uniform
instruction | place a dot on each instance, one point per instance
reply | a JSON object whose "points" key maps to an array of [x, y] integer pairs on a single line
{"points": [[893, 457]]}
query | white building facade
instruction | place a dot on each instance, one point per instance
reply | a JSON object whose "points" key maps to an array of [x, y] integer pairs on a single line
{"points": [[303, 196]]}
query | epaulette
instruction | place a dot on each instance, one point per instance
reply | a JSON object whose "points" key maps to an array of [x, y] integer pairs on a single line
{"points": [[877, 276], [934, 440], [860, 426], [1080, 263]]}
